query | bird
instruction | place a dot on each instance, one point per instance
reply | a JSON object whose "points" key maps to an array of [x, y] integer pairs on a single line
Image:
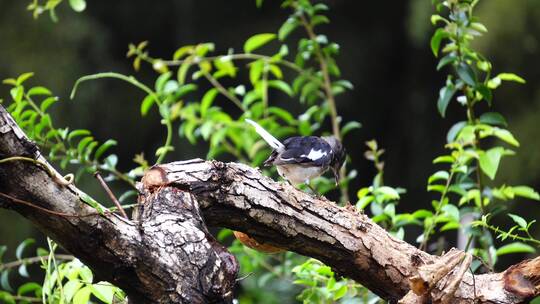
{"points": [[299, 159]]}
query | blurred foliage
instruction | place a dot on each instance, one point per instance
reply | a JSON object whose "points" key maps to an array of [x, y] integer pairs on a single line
{"points": [[201, 96]]}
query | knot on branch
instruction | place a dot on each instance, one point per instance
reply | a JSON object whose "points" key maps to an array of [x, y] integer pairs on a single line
{"points": [[187, 261], [438, 282], [523, 279]]}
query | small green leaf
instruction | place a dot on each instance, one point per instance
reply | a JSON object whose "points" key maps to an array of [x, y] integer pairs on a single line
{"points": [[436, 39], [104, 292], [516, 247], [489, 161], [47, 102], [439, 175], [39, 91], [288, 27], [257, 41], [510, 77], [527, 192], [341, 292], [4, 280], [454, 131], [77, 133], [26, 288], [207, 100], [282, 86], [349, 126], [445, 95], [466, 73], [20, 249], [104, 147], [83, 143], [518, 220], [82, 296], [146, 104], [493, 118], [70, 288], [77, 5], [506, 136], [450, 58], [255, 71]]}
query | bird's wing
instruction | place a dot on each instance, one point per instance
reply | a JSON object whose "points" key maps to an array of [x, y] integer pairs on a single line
{"points": [[271, 140], [306, 151]]}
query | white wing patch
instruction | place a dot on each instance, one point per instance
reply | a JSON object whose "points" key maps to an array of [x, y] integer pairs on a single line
{"points": [[315, 154]]}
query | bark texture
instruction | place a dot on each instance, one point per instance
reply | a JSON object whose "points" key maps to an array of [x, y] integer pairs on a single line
{"points": [[166, 255]]}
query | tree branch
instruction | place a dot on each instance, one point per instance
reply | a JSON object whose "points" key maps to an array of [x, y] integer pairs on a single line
{"points": [[166, 254]]}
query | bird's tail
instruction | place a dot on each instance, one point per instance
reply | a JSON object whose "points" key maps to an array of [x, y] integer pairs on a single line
{"points": [[271, 140]]}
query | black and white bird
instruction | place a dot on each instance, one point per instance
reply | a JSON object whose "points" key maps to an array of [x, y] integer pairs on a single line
{"points": [[301, 158]]}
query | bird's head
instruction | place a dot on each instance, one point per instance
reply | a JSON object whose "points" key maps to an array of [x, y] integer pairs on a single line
{"points": [[338, 156]]}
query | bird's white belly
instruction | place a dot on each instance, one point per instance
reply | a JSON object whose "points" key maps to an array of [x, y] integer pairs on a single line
{"points": [[298, 174]]}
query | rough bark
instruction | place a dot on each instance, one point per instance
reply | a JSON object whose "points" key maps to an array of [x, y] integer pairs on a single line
{"points": [[167, 256]]}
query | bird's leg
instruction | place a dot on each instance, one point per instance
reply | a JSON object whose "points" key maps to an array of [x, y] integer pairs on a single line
{"points": [[313, 191]]}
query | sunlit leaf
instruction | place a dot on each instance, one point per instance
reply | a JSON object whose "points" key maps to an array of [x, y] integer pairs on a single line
{"points": [[257, 41]]}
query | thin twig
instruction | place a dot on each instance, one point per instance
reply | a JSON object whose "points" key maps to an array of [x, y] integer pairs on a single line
{"points": [[223, 91], [61, 214], [33, 260], [97, 175]]}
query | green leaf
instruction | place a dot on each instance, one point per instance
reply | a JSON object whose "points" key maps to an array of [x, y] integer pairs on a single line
{"points": [[436, 39], [518, 220], [23, 77], [4, 281], [527, 192], [29, 287], [485, 92], [439, 175], [341, 292], [82, 296], [388, 193], [78, 132], [255, 71], [20, 249], [288, 27], [516, 247], [454, 131], [207, 100], [185, 89], [83, 143], [77, 5], [282, 86], [493, 118], [6, 298], [349, 126], [450, 58], [70, 288], [257, 41], [466, 73], [510, 77], [104, 147], [489, 161], [146, 104], [506, 136], [445, 94], [47, 102], [39, 91], [23, 271], [104, 292]]}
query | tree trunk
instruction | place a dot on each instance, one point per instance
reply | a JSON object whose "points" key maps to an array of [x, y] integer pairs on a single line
{"points": [[166, 254]]}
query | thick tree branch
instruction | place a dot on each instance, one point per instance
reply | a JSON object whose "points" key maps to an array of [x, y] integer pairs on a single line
{"points": [[167, 255]]}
